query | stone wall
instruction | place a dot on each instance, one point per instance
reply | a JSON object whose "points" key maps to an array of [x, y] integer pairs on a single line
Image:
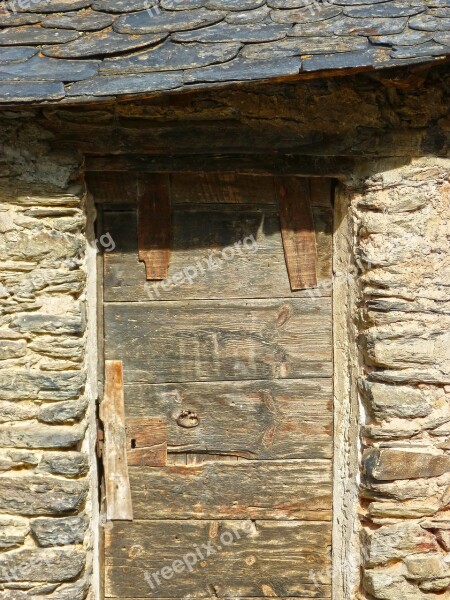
{"points": [[401, 218], [45, 468]]}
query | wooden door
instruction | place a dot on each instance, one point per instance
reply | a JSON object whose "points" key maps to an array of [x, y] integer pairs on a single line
{"points": [[227, 383]]}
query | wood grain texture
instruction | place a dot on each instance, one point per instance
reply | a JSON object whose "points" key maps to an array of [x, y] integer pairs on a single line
{"points": [[257, 419], [297, 231], [146, 441], [112, 188], [321, 191], [279, 559], [249, 163], [221, 341], [202, 231], [221, 188], [112, 413], [154, 225], [278, 490]]}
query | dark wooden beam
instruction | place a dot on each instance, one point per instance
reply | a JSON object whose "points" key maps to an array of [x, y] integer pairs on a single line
{"points": [[251, 164]]}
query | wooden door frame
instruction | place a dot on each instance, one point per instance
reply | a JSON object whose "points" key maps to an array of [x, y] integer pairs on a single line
{"points": [[345, 398]]}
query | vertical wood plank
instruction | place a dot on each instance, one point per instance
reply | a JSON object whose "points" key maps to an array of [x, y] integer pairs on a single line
{"points": [[118, 493], [154, 225], [320, 191], [297, 231], [112, 188]]}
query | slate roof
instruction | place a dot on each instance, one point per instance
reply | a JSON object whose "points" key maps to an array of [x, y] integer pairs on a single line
{"points": [[76, 50]]}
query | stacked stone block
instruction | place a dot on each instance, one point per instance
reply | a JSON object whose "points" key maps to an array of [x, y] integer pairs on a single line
{"points": [[45, 532], [402, 235]]}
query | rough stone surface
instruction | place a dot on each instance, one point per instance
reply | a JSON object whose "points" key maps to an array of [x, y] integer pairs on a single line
{"points": [[45, 502], [401, 229], [59, 532]]}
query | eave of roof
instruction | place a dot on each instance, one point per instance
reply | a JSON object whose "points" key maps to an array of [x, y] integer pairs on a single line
{"points": [[61, 51]]}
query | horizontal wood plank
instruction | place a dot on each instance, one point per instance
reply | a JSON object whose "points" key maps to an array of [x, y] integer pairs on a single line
{"points": [[279, 559], [244, 490], [258, 270], [221, 188], [146, 441], [248, 164], [169, 342], [256, 419]]}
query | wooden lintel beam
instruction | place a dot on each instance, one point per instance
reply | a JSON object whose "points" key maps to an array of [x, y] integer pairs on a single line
{"points": [[337, 167]]}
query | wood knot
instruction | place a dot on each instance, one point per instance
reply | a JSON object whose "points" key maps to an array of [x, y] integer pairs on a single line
{"points": [[188, 419]]}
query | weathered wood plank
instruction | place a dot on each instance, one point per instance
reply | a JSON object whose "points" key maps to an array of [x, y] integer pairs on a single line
{"points": [[255, 419], [244, 490], [251, 164], [221, 341], [154, 225], [320, 191], [146, 441], [112, 188], [116, 188], [278, 559], [199, 232], [297, 231], [221, 188], [112, 413]]}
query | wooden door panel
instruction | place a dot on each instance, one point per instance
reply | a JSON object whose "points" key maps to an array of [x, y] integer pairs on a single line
{"points": [[255, 419], [217, 341], [275, 558], [245, 490], [203, 231], [251, 362]]}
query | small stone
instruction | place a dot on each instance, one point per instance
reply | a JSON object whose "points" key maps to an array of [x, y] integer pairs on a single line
{"points": [[59, 532], [388, 401], [42, 68], [40, 323], [13, 531], [435, 585], [390, 464], [426, 566], [40, 436], [62, 412], [443, 537], [391, 542], [12, 349], [404, 510], [52, 565], [39, 495], [14, 411], [67, 464]]}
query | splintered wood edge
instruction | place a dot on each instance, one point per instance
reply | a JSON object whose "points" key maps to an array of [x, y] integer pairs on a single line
{"points": [[118, 492]]}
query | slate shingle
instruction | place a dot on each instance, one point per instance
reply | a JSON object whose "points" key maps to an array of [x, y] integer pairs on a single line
{"points": [[170, 56], [167, 21], [102, 44], [102, 48]]}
